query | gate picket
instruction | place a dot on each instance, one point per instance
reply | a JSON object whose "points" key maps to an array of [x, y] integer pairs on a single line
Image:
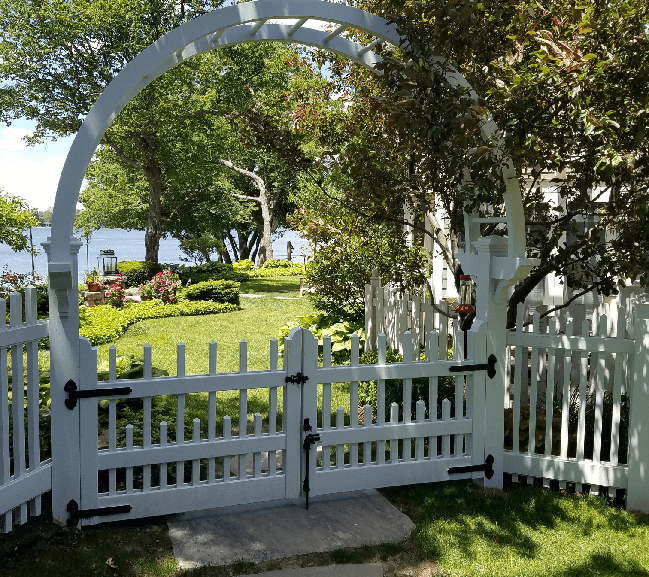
{"points": [[369, 452]]}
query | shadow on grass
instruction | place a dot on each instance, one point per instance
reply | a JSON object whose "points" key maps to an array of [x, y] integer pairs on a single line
{"points": [[473, 531], [604, 565]]}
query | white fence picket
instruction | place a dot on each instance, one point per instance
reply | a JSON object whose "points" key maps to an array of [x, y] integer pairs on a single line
{"points": [[23, 476], [584, 378]]}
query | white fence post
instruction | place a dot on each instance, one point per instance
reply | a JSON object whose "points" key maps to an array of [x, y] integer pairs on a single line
{"points": [[637, 497], [373, 310], [64, 365]]}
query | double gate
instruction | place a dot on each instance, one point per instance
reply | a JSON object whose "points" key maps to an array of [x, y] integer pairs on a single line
{"points": [[282, 433]]}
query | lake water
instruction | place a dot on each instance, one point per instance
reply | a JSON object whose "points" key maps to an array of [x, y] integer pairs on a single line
{"points": [[127, 244]]}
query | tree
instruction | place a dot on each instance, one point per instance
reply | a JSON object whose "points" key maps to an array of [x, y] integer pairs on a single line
{"points": [[211, 180], [57, 57], [15, 218], [568, 87]]}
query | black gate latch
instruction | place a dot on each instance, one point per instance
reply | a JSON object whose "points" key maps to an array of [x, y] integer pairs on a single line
{"points": [[297, 379], [310, 439], [73, 394], [489, 366], [488, 468]]}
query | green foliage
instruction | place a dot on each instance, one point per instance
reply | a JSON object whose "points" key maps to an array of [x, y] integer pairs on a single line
{"points": [[244, 265], [138, 272], [15, 217], [127, 367], [104, 323], [295, 269], [212, 270], [349, 247], [339, 331], [164, 286], [220, 291]]}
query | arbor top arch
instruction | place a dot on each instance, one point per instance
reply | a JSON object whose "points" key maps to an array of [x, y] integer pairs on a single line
{"points": [[291, 21]]}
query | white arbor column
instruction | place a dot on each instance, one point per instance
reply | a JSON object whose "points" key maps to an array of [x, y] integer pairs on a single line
{"points": [[494, 272], [637, 496], [64, 365]]}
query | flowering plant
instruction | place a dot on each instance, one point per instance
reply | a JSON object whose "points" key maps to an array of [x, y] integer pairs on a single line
{"points": [[146, 290], [13, 281], [164, 286], [115, 293]]}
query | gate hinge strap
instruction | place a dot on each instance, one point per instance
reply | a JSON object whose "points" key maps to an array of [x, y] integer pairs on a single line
{"points": [[76, 513], [487, 467], [489, 366], [73, 394], [297, 378]]}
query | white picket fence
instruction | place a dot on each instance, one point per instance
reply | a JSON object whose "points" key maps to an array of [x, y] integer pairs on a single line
{"points": [[582, 400], [393, 313], [574, 406], [23, 476]]}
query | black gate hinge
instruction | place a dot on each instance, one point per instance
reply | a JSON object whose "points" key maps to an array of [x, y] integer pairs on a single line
{"points": [[489, 366], [76, 513], [297, 378], [487, 467], [73, 394]]}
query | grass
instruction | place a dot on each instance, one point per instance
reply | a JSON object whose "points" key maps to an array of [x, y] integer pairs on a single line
{"points": [[527, 532], [258, 322]]}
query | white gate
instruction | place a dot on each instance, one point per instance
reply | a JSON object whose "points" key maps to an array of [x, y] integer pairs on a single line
{"points": [[420, 437], [148, 466]]}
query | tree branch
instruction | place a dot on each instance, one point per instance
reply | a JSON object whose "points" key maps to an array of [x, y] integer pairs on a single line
{"points": [[120, 153]]}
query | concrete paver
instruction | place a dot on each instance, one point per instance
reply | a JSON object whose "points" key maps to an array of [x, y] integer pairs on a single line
{"points": [[277, 530]]}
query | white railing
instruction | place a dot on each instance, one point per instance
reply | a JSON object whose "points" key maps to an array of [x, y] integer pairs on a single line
{"points": [[393, 313], [574, 405], [23, 476]]}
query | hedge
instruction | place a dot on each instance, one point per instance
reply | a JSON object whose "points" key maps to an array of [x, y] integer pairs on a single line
{"points": [[138, 272], [220, 291], [103, 324]]}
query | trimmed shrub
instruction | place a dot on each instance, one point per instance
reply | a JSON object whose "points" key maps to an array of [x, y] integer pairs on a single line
{"points": [[209, 271], [104, 323], [220, 291], [243, 265], [138, 272]]}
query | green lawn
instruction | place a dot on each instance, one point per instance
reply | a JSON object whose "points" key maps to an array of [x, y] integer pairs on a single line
{"points": [[526, 532], [258, 322]]}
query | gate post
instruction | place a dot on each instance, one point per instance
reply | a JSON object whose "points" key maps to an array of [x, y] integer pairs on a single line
{"points": [[64, 365], [494, 272], [637, 496], [292, 416]]}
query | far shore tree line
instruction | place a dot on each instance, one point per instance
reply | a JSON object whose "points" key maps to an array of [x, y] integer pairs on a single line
{"points": [[231, 145]]}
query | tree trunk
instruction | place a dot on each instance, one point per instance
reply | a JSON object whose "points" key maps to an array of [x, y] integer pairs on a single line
{"points": [[265, 241], [154, 218]]}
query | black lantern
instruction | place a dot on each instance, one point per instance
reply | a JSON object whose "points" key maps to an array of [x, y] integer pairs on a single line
{"points": [[107, 262]]}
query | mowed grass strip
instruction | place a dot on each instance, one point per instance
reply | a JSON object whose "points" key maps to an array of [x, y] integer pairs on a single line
{"points": [[257, 323], [526, 532]]}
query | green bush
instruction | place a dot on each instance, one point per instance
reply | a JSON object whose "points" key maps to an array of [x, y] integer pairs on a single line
{"points": [[208, 271], [220, 291], [243, 265], [138, 272], [277, 268], [104, 324], [367, 390]]}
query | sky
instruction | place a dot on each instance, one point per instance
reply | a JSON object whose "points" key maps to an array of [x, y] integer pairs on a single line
{"points": [[31, 172]]}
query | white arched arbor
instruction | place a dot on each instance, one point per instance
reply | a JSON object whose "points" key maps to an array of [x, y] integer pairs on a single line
{"points": [[247, 22], [294, 21]]}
